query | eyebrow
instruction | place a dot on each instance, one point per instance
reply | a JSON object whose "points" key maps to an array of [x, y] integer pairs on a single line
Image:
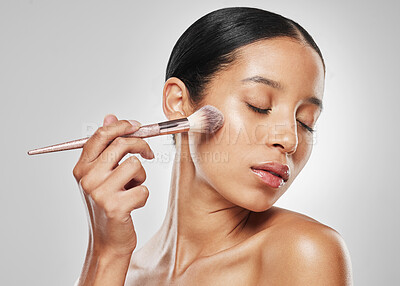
{"points": [[263, 80], [316, 101], [277, 85]]}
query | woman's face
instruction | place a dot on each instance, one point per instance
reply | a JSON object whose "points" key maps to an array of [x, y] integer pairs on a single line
{"points": [[278, 74]]}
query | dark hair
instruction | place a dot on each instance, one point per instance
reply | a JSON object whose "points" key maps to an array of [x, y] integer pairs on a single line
{"points": [[209, 44]]}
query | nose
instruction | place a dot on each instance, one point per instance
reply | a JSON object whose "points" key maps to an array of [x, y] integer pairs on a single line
{"points": [[283, 135]]}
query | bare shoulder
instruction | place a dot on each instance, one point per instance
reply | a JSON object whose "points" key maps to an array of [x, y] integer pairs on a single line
{"points": [[299, 250]]}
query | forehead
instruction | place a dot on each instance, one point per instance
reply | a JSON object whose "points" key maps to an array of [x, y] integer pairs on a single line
{"points": [[295, 65]]}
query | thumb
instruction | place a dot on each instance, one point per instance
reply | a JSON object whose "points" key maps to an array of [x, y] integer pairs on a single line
{"points": [[109, 119]]}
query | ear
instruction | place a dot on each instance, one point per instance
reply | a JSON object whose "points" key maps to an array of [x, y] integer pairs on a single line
{"points": [[175, 99]]}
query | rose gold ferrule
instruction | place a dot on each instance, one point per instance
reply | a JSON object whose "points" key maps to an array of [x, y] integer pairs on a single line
{"points": [[174, 126], [162, 128]]}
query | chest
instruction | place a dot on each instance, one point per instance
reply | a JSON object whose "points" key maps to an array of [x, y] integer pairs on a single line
{"points": [[228, 269], [231, 272]]}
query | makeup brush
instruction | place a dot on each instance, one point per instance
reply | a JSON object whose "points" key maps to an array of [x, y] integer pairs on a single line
{"points": [[207, 119]]}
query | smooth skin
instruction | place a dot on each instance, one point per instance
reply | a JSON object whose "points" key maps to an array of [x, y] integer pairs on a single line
{"points": [[221, 227]]}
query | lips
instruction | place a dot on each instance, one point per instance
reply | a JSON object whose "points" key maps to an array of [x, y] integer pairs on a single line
{"points": [[275, 169]]}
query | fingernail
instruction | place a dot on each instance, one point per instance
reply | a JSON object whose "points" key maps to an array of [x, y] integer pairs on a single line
{"points": [[135, 124], [151, 155], [147, 154], [107, 119]]}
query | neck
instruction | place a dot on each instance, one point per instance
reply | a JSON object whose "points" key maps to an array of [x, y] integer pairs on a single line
{"points": [[199, 221]]}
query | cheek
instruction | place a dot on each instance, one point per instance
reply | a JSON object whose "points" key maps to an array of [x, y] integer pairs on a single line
{"points": [[232, 140], [224, 160], [218, 150], [218, 158], [303, 152]]}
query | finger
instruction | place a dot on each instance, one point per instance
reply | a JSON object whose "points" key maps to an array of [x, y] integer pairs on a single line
{"points": [[109, 158], [103, 137], [133, 198], [130, 169], [108, 119]]}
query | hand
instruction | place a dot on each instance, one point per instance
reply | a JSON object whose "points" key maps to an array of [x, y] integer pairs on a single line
{"points": [[112, 190]]}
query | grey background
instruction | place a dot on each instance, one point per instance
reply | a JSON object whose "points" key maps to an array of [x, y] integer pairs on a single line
{"points": [[66, 64]]}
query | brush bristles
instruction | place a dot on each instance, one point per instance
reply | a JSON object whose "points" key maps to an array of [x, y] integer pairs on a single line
{"points": [[207, 119]]}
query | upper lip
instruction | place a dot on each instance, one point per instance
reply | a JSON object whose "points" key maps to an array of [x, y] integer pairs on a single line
{"points": [[282, 171]]}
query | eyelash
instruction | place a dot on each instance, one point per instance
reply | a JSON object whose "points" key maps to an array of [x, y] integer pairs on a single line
{"points": [[266, 111]]}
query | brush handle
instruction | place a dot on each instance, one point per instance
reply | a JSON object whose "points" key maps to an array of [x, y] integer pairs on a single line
{"points": [[145, 131], [75, 144]]}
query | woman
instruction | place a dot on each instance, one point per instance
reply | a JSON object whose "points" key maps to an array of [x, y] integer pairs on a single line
{"points": [[266, 75]]}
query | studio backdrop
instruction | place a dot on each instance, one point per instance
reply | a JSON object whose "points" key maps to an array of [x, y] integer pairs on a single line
{"points": [[64, 65]]}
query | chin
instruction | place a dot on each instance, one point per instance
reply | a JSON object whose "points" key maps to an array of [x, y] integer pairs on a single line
{"points": [[259, 205], [261, 208]]}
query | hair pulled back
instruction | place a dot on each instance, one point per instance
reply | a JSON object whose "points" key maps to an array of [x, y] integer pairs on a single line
{"points": [[209, 44]]}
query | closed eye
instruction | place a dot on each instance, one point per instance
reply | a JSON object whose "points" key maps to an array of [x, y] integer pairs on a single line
{"points": [[268, 110], [308, 128], [259, 110]]}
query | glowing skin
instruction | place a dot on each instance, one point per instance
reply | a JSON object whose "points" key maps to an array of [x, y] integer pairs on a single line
{"points": [[248, 137], [221, 227]]}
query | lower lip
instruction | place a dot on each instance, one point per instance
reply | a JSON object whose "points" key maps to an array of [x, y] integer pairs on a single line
{"points": [[269, 179]]}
